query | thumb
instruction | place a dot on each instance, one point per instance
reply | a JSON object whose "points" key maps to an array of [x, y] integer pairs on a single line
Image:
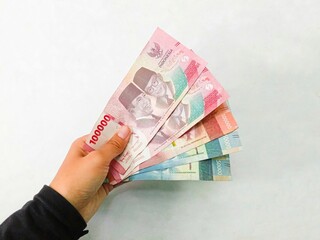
{"points": [[115, 145]]}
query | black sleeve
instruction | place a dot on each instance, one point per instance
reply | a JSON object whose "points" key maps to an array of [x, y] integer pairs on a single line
{"points": [[48, 216]]}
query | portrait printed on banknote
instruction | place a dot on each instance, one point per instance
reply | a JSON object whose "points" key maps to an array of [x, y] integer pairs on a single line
{"points": [[140, 105], [153, 84]]}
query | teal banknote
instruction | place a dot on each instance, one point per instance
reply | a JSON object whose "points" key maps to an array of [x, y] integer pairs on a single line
{"points": [[227, 144], [215, 169]]}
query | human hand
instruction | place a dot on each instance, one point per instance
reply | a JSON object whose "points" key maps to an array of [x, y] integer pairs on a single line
{"points": [[81, 175]]}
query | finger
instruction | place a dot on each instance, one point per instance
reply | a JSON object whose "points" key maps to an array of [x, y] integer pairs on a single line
{"points": [[114, 146], [76, 149]]}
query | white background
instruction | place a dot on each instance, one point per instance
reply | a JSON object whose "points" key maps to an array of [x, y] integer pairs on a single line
{"points": [[60, 61]]}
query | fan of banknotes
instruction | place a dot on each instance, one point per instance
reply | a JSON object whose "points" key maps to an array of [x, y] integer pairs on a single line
{"points": [[181, 122]]}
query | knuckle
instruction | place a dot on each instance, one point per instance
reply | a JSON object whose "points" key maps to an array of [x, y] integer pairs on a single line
{"points": [[117, 145]]}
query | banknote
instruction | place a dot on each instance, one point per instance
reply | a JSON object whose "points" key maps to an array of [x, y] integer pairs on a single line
{"points": [[215, 169], [155, 84], [224, 145], [216, 124], [203, 97]]}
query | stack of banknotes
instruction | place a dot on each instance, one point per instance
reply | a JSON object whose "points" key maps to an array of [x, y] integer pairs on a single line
{"points": [[179, 114]]}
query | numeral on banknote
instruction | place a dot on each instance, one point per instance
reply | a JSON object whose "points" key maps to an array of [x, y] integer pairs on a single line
{"points": [[100, 127]]}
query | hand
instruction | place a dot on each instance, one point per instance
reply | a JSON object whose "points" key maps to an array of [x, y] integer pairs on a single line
{"points": [[81, 175]]}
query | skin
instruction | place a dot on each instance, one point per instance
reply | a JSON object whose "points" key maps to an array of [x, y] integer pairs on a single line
{"points": [[81, 175]]}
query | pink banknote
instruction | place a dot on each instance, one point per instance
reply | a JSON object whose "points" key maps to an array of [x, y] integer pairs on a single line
{"points": [[203, 97], [156, 83]]}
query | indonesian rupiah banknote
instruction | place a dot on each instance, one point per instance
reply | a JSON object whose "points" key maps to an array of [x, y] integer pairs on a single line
{"points": [[224, 145], [215, 169], [155, 84]]}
